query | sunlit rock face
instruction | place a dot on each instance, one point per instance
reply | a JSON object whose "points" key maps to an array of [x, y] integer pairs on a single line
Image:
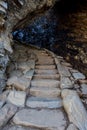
{"points": [[63, 30]]}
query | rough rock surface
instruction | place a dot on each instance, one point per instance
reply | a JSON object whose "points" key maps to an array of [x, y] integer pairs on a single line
{"points": [[6, 113], [47, 119], [75, 109], [41, 105], [13, 13]]}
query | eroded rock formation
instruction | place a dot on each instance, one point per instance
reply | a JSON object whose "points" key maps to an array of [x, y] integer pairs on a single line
{"points": [[12, 14]]}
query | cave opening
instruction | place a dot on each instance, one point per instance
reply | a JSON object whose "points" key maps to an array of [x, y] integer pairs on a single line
{"points": [[62, 29]]}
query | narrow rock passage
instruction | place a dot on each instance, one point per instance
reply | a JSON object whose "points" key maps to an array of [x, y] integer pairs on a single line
{"points": [[43, 93]]}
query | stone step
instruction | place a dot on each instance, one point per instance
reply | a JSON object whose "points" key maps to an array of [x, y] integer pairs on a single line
{"points": [[44, 57], [45, 61], [44, 119], [45, 67], [53, 71], [46, 76], [45, 92], [35, 102], [45, 83], [41, 54]]}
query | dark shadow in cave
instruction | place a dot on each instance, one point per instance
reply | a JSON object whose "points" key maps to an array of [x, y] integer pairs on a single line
{"points": [[59, 30]]}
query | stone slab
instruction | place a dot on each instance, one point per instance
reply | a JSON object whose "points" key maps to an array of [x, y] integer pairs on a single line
{"points": [[17, 98], [17, 73], [2, 103], [45, 92], [84, 89], [45, 67], [6, 113], [72, 127], [29, 74], [54, 71], [63, 71], [35, 102], [19, 83], [66, 83], [45, 83], [45, 119], [46, 76], [75, 109], [18, 128], [26, 65], [78, 76]]}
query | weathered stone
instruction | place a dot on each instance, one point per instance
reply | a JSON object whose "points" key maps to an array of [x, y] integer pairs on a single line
{"points": [[45, 119], [46, 76], [45, 92], [75, 109], [4, 95], [2, 10], [35, 102], [2, 103], [45, 83], [66, 83], [2, 84], [72, 127], [6, 113], [63, 71], [4, 4], [29, 74], [16, 127], [84, 89], [17, 98], [66, 64], [54, 71], [45, 67], [17, 73], [26, 66], [74, 71], [78, 76], [83, 81], [45, 62], [19, 83]]}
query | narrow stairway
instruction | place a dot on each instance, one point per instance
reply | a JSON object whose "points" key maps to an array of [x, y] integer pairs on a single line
{"points": [[41, 93]]}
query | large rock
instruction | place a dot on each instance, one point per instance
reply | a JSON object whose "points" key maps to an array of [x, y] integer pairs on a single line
{"points": [[19, 83], [29, 74], [66, 83], [75, 109], [63, 71], [84, 89], [78, 76], [26, 66], [6, 114], [2, 103], [17, 98], [72, 127], [3, 96], [16, 127], [45, 119]]}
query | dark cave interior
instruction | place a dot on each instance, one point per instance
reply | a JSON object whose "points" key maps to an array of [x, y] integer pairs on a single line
{"points": [[62, 29]]}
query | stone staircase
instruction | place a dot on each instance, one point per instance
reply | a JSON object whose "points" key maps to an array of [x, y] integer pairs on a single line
{"points": [[42, 93]]}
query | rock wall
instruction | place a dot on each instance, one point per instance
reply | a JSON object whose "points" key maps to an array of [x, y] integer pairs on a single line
{"points": [[13, 12]]}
